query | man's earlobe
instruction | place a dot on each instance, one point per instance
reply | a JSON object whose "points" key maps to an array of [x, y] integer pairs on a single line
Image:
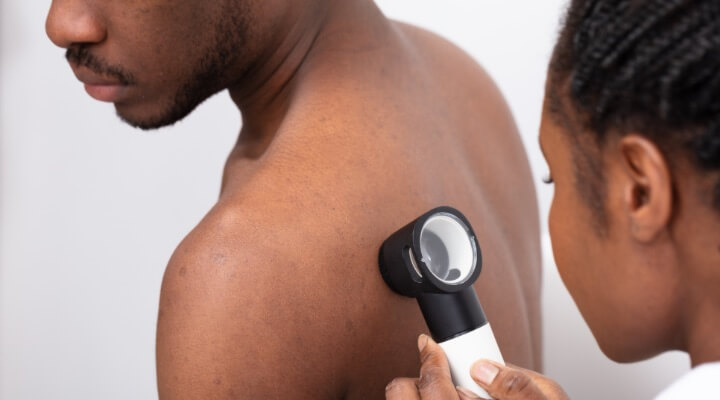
{"points": [[648, 194]]}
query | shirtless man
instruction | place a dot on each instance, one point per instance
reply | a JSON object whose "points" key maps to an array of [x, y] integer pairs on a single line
{"points": [[353, 125]]}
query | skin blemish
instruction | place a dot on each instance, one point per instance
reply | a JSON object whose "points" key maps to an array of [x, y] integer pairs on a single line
{"points": [[218, 259], [183, 271], [217, 381]]}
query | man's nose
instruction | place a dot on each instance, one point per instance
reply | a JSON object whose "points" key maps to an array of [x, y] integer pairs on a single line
{"points": [[74, 22]]}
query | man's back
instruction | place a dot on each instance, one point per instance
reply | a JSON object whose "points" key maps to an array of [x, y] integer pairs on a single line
{"points": [[277, 292]]}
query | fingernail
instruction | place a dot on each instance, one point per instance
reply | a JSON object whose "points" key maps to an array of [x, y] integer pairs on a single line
{"points": [[484, 372], [467, 394], [422, 342]]}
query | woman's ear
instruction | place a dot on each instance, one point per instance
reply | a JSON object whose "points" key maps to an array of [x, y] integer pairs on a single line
{"points": [[647, 187]]}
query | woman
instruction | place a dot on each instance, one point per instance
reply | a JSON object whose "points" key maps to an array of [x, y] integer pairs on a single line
{"points": [[631, 133]]}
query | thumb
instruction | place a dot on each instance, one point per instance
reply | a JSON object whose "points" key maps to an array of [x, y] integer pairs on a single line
{"points": [[505, 383]]}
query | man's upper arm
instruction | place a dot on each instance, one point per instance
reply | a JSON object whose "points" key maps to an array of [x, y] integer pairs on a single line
{"points": [[232, 321]]}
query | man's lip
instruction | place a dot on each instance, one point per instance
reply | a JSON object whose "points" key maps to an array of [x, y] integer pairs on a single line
{"points": [[108, 93], [99, 87]]}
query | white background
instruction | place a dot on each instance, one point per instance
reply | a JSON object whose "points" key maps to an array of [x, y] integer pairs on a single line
{"points": [[90, 210]]}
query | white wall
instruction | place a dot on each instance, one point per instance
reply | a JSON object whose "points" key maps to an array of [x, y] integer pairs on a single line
{"points": [[90, 210]]}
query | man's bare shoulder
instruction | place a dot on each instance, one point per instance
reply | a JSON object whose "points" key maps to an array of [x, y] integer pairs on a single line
{"points": [[217, 303], [258, 293], [446, 59]]}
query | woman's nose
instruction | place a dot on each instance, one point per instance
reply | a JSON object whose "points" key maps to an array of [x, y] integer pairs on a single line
{"points": [[74, 22]]}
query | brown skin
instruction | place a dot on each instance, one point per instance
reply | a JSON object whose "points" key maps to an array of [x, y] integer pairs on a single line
{"points": [[353, 125], [647, 282]]}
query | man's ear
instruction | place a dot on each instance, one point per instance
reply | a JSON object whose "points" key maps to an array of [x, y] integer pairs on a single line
{"points": [[647, 187]]}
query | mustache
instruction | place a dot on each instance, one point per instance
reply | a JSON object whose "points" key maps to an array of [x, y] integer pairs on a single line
{"points": [[80, 54]]}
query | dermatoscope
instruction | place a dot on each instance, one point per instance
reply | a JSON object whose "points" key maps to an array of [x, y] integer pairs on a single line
{"points": [[436, 259]]}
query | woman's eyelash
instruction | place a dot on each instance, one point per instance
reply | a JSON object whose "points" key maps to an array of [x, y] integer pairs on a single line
{"points": [[548, 179]]}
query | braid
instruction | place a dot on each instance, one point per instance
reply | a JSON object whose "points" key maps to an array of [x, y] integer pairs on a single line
{"points": [[647, 56], [648, 17], [650, 66], [707, 147], [590, 50]]}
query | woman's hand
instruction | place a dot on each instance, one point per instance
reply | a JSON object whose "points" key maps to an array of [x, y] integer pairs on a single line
{"points": [[502, 382]]}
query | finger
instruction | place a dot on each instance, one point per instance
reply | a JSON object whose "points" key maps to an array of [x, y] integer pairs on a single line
{"points": [[533, 374], [435, 381], [466, 394], [402, 389], [548, 387], [505, 383]]}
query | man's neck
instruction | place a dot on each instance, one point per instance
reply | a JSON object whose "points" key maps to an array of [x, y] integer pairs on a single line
{"points": [[265, 94]]}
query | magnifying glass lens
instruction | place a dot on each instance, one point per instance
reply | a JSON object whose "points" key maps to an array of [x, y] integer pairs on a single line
{"points": [[447, 248], [436, 256]]}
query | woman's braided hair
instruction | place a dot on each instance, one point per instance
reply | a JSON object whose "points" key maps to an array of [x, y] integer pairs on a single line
{"points": [[644, 66]]}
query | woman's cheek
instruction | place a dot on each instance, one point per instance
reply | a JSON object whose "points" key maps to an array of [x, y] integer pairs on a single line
{"points": [[564, 242]]}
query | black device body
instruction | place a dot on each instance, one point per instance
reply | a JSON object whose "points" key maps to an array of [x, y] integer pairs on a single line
{"points": [[450, 309]]}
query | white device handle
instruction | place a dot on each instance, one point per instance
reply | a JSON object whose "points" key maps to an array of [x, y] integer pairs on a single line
{"points": [[463, 351]]}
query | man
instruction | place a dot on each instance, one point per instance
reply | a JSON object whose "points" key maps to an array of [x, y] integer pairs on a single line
{"points": [[352, 126]]}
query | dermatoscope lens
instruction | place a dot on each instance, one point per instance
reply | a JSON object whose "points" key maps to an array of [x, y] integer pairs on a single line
{"points": [[447, 248]]}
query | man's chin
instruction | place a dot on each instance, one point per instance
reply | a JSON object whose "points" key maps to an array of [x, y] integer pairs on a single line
{"points": [[155, 115], [146, 124], [151, 121]]}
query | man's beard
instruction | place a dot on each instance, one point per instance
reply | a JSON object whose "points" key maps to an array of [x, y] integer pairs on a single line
{"points": [[210, 75], [194, 92]]}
